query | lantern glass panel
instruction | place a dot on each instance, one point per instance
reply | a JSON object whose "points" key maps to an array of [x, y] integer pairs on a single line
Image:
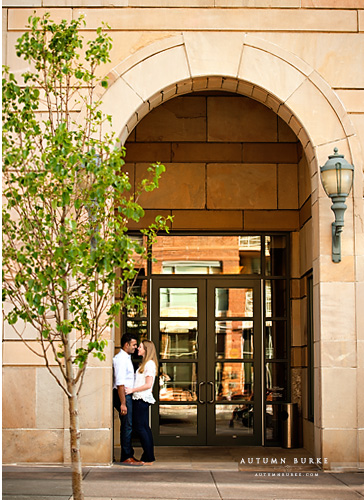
{"points": [[329, 181], [346, 181], [337, 181]]}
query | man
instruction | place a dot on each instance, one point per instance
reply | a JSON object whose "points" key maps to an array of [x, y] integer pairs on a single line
{"points": [[124, 377]]}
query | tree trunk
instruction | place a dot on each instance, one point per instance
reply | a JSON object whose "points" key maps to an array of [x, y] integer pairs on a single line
{"points": [[75, 435]]}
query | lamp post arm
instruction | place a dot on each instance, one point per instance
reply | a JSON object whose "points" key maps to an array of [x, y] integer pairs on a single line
{"points": [[338, 207]]}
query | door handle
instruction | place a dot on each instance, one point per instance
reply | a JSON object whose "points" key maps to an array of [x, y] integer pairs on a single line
{"points": [[212, 400], [199, 390]]}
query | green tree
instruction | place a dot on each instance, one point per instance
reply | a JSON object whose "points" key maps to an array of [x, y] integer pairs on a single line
{"points": [[63, 176]]}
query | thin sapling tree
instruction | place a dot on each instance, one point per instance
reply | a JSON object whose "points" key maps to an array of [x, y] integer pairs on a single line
{"points": [[68, 202]]}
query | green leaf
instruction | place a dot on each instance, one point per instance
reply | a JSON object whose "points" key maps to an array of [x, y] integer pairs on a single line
{"points": [[41, 310]]}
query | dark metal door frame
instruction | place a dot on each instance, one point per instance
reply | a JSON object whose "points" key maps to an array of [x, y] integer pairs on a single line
{"points": [[206, 358], [256, 438], [200, 284]]}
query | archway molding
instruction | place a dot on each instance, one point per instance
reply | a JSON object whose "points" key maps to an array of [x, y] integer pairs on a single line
{"points": [[239, 63]]}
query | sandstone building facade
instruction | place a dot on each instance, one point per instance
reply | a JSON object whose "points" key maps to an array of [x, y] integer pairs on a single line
{"points": [[243, 101]]}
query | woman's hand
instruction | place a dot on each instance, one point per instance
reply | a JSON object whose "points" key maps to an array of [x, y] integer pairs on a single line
{"points": [[128, 390]]}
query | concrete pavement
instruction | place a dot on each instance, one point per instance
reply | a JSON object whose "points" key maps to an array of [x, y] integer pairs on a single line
{"points": [[121, 483], [199, 474]]}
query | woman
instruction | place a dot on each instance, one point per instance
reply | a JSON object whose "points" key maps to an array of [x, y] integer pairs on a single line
{"points": [[143, 398]]}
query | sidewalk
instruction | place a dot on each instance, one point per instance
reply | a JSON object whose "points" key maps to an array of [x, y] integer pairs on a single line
{"points": [[205, 476]]}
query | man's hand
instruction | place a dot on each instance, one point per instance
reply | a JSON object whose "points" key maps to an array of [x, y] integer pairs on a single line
{"points": [[123, 409]]}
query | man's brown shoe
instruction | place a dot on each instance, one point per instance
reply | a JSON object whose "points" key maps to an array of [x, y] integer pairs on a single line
{"points": [[132, 461]]}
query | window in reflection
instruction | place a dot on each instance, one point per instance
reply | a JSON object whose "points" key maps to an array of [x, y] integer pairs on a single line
{"points": [[191, 267], [234, 381], [178, 339], [234, 339], [276, 381], [233, 302], [275, 298], [137, 328], [140, 263], [178, 420], [192, 255], [273, 423], [275, 340], [276, 255], [234, 419], [177, 381], [139, 291], [178, 302], [249, 253]]}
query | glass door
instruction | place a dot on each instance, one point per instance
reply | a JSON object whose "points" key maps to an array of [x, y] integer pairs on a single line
{"points": [[234, 403], [179, 332], [207, 334]]}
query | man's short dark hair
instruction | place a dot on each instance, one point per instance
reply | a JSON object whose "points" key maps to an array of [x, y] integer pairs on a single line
{"points": [[127, 338]]}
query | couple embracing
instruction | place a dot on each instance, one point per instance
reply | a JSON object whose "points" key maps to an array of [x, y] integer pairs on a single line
{"points": [[132, 397]]}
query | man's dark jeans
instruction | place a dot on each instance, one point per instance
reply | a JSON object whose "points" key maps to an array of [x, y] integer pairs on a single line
{"points": [[126, 422]]}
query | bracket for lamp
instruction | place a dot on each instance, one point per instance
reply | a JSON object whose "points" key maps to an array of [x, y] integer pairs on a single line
{"points": [[338, 207]]}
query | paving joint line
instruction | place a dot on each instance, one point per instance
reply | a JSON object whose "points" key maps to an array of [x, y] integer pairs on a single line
{"points": [[333, 474], [215, 483], [86, 474]]}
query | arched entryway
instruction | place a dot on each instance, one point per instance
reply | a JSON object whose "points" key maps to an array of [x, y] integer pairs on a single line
{"points": [[220, 300], [246, 65]]}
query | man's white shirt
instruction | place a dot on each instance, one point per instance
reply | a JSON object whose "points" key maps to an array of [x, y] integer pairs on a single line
{"points": [[123, 370]]}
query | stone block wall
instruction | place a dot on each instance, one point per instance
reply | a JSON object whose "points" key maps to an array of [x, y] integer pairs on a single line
{"points": [[231, 164], [35, 409]]}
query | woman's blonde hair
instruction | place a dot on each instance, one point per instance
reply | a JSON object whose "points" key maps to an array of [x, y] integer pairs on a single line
{"points": [[150, 353]]}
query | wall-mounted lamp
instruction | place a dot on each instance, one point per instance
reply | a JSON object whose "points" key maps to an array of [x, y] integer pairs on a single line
{"points": [[337, 179]]}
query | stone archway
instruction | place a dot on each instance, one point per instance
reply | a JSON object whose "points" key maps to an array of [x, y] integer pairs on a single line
{"points": [[247, 65], [238, 63]]}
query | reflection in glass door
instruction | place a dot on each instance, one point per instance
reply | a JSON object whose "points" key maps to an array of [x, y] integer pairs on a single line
{"points": [[207, 336], [233, 362], [178, 330]]}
